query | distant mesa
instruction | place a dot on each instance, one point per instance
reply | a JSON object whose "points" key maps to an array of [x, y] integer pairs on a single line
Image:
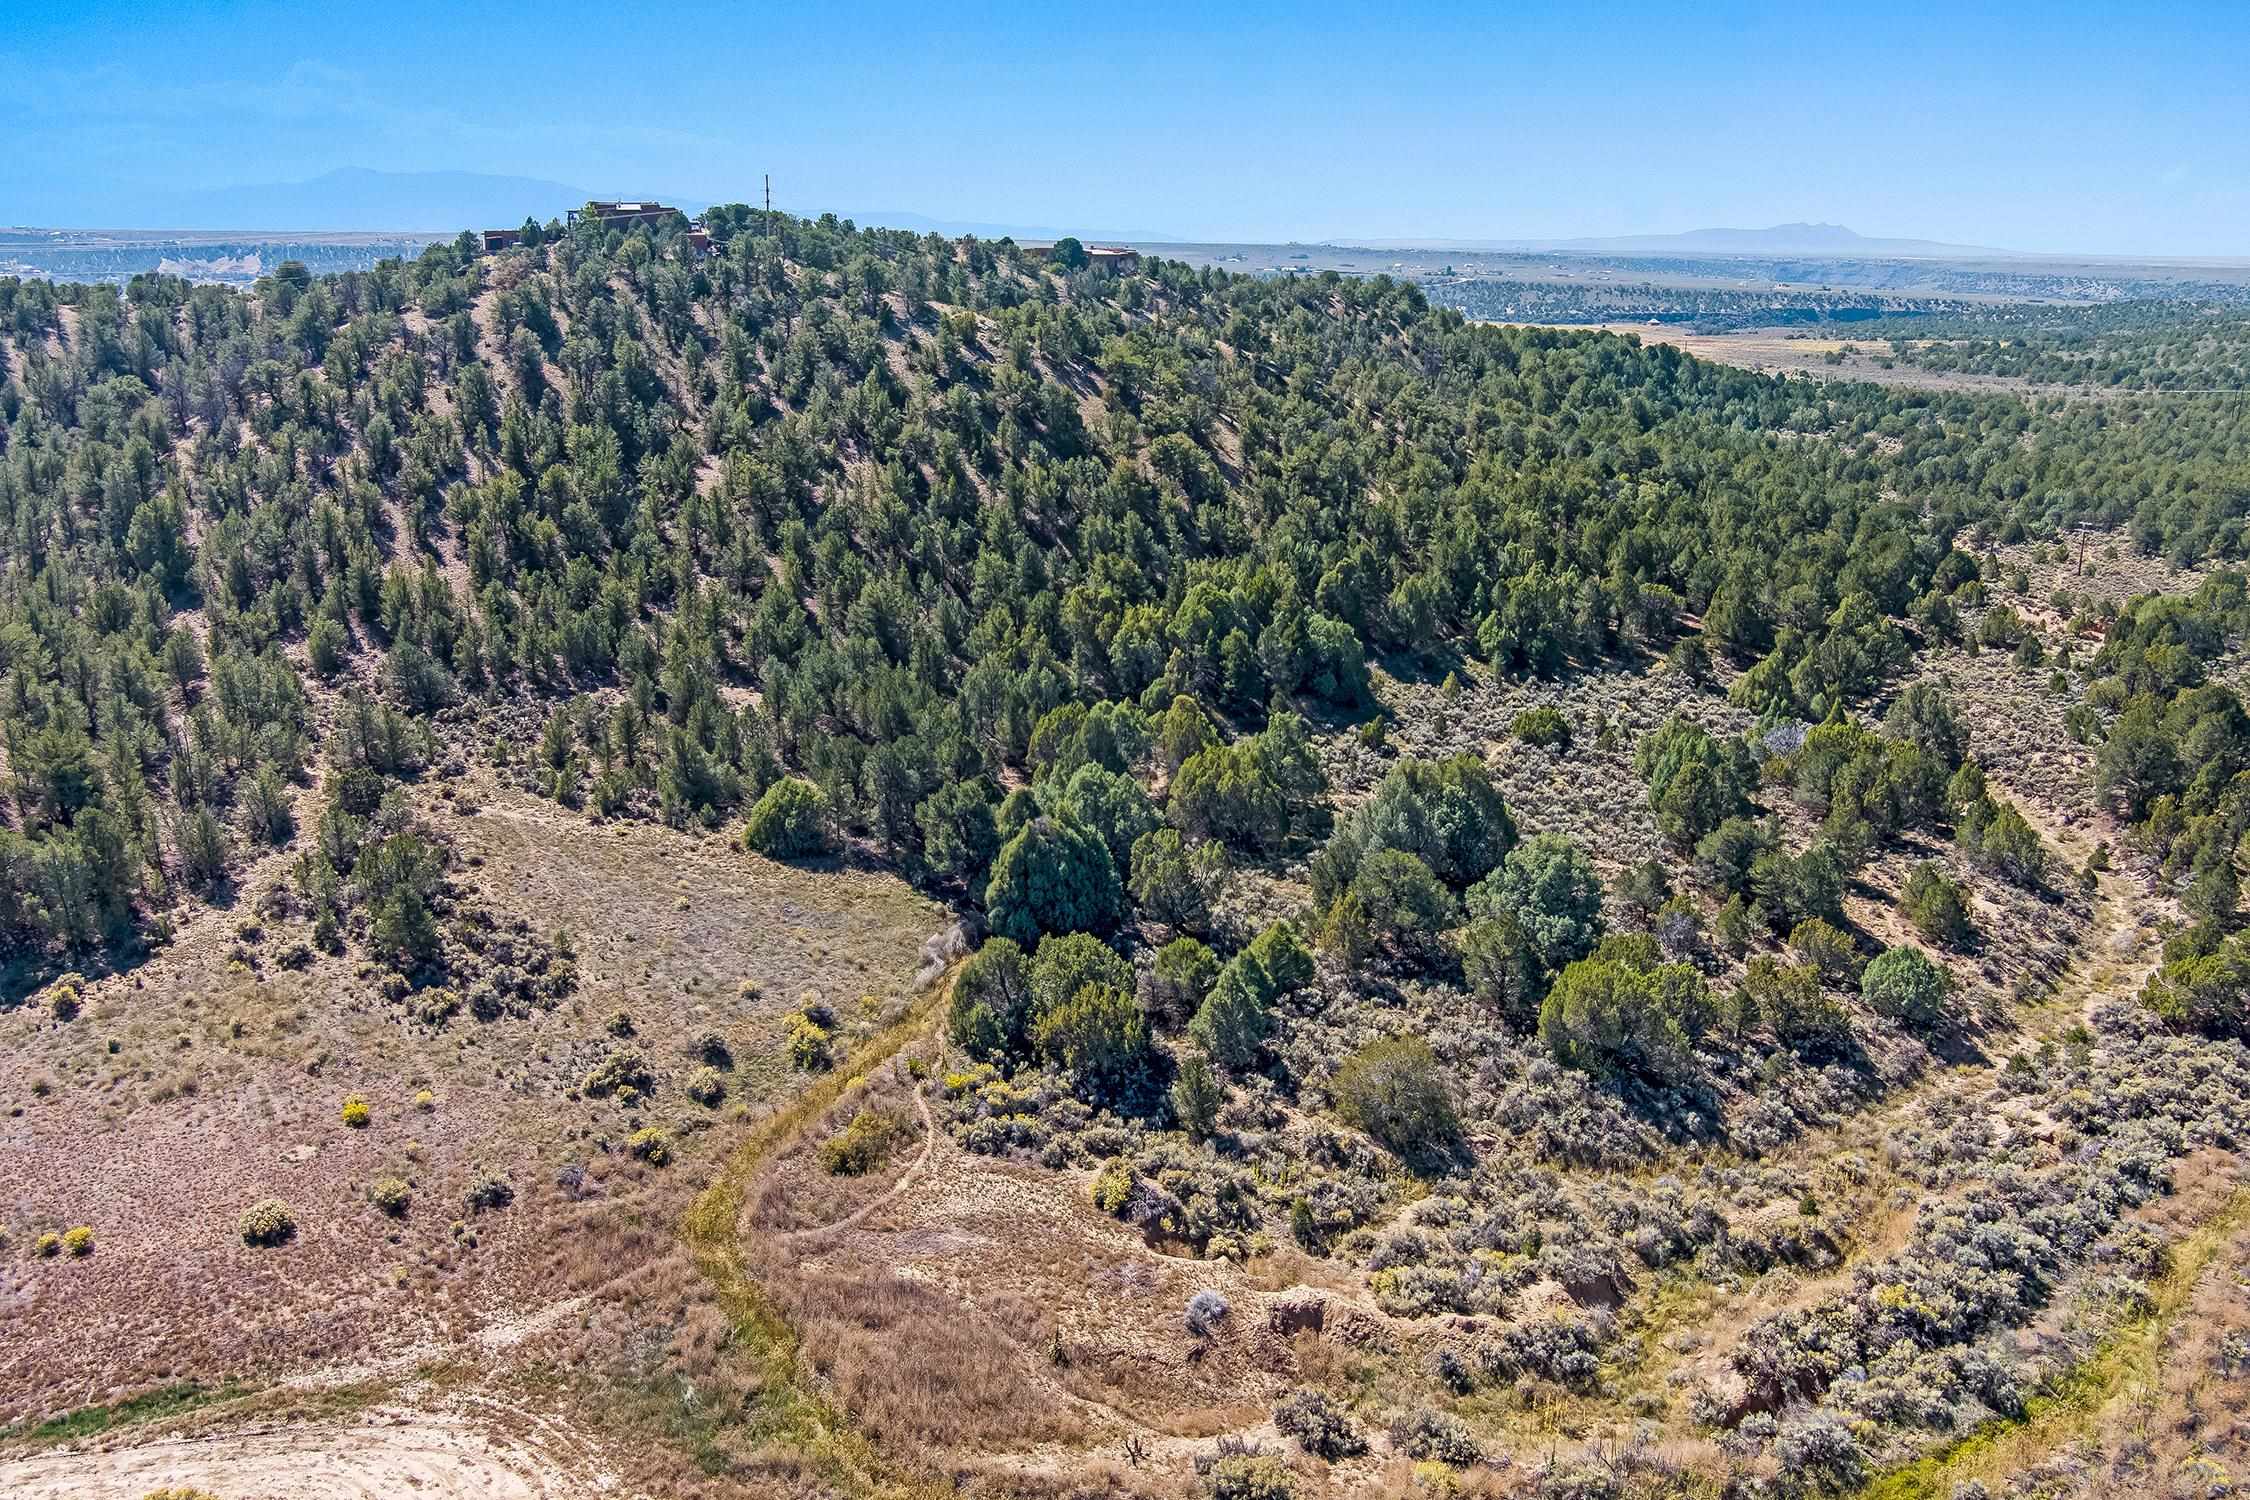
{"points": [[1779, 239]]}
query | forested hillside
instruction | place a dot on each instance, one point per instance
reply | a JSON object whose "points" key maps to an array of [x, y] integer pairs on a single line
{"points": [[1455, 829], [2183, 344], [871, 507]]}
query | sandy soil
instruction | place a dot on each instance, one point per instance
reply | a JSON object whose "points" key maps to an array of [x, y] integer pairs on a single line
{"points": [[380, 1455]]}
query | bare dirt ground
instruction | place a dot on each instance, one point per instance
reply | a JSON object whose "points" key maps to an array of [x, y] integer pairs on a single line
{"points": [[213, 1075], [380, 1455], [1043, 1326]]}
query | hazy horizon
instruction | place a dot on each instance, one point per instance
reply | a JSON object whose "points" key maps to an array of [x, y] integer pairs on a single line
{"points": [[2021, 127], [447, 201]]}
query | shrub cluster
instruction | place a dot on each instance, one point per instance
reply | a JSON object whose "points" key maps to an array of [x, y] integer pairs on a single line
{"points": [[811, 1034], [1395, 1090], [1320, 1425], [391, 1196], [1907, 1344], [622, 1070], [865, 1143], [1426, 1434], [266, 1222], [489, 1193]]}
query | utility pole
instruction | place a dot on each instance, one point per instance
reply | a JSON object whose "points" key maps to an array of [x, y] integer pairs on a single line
{"points": [[769, 192]]}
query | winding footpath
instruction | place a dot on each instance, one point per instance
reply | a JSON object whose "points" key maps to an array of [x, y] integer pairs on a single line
{"points": [[791, 1411]]}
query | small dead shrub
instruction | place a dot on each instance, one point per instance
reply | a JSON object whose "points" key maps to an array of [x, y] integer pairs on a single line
{"points": [[489, 1193]]}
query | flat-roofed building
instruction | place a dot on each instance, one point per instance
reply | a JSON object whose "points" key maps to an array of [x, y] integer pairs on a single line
{"points": [[1121, 260], [608, 212]]}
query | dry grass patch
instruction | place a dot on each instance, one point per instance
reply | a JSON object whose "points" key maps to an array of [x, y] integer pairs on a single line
{"points": [[188, 1089], [804, 1188], [918, 1368]]}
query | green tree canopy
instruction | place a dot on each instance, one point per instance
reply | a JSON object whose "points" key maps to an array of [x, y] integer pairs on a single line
{"points": [[1055, 875], [789, 822], [1621, 1009], [1548, 886], [1903, 985]]}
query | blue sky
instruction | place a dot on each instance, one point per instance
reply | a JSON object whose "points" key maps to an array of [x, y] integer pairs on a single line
{"points": [[2101, 128]]}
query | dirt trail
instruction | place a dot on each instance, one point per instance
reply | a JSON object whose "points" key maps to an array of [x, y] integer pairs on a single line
{"points": [[2113, 959], [798, 1413], [905, 1180], [2118, 951], [381, 1455]]}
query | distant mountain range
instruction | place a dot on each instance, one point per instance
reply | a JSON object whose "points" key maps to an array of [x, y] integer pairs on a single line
{"points": [[1779, 239], [362, 200]]}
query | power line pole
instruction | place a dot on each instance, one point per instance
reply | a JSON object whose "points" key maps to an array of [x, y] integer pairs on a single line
{"points": [[769, 192]]}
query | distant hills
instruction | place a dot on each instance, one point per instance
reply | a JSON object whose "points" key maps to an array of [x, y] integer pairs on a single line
{"points": [[361, 200], [925, 224], [1777, 239]]}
